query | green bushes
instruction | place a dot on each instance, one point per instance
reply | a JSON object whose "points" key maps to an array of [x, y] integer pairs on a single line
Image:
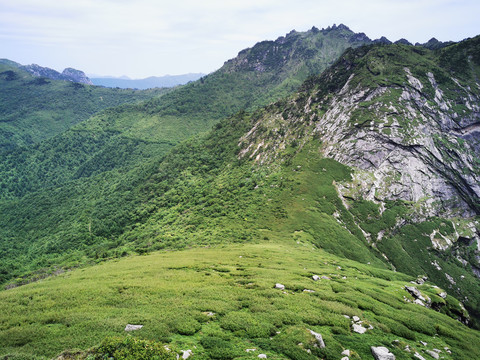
{"points": [[130, 348], [186, 325], [244, 323], [218, 348]]}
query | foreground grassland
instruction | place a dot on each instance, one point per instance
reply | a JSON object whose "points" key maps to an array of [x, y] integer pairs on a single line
{"points": [[220, 301]]}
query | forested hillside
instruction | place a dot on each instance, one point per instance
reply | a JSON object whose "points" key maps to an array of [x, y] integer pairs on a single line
{"points": [[33, 109], [131, 134]]}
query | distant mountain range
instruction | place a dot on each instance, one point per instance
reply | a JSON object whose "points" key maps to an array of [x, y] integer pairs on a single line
{"points": [[147, 83], [123, 82]]}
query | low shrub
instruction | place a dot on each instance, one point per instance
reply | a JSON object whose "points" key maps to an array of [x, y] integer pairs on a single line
{"points": [[218, 348], [243, 322], [186, 326], [130, 348]]}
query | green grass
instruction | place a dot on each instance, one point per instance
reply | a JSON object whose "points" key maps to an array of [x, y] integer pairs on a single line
{"points": [[220, 301]]}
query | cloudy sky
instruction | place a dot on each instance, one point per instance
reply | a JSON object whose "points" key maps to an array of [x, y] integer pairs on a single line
{"points": [[141, 38]]}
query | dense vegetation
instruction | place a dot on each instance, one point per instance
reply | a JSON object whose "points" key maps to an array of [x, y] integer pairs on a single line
{"points": [[33, 109], [131, 134]]}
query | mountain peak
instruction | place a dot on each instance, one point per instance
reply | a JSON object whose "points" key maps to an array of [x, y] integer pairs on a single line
{"points": [[295, 47], [76, 76], [403, 42], [69, 74]]}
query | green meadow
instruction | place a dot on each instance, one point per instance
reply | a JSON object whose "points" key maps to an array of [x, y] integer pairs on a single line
{"points": [[221, 301]]}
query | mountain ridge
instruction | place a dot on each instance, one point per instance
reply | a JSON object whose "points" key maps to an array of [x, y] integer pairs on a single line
{"points": [[166, 120], [33, 108]]}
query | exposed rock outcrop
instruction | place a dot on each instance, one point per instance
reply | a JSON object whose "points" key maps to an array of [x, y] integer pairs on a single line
{"points": [[382, 353], [69, 74]]}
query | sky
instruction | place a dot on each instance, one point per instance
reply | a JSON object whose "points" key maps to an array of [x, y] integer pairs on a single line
{"points": [[141, 38]]}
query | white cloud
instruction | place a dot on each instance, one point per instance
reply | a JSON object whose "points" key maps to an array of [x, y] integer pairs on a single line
{"points": [[151, 37]]}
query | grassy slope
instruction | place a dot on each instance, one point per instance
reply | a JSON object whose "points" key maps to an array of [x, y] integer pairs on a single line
{"points": [[170, 293], [34, 109]]}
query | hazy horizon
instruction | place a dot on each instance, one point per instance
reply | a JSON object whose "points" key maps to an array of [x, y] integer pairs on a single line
{"points": [[145, 38]]}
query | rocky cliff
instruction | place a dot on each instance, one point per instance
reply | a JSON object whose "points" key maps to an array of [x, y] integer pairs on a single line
{"points": [[406, 120], [408, 125], [69, 74]]}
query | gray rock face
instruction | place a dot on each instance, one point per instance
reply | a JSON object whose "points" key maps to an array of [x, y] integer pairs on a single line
{"points": [[68, 74], [76, 76], [382, 353], [407, 164]]}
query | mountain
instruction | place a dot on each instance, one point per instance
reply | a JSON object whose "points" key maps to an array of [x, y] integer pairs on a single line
{"points": [[347, 208], [434, 44], [34, 108], [147, 83], [129, 135], [69, 74]]}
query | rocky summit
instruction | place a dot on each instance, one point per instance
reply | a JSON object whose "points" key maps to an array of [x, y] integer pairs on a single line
{"points": [[69, 74]]}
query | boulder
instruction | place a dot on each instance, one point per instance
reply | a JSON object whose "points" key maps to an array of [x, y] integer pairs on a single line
{"points": [[359, 329], [319, 338], [433, 354], [316, 277], [262, 356], [418, 356], [382, 353], [186, 354], [419, 302], [414, 292], [279, 286], [130, 327]]}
